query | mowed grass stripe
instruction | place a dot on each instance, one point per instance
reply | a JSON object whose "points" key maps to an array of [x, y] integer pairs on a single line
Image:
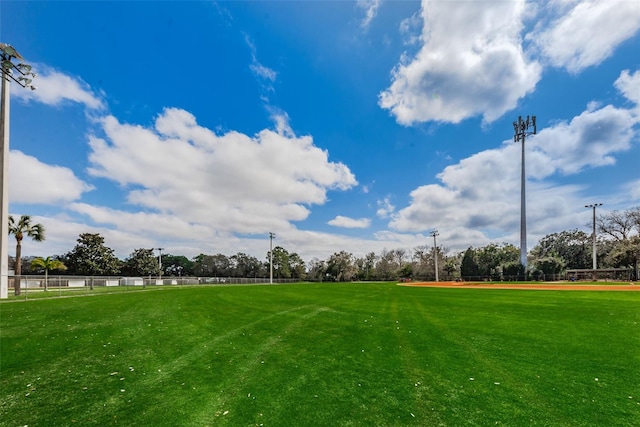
{"points": [[323, 354]]}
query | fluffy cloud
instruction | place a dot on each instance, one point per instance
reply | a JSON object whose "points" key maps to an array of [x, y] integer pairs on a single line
{"points": [[385, 208], [34, 182], [346, 222], [471, 63], [55, 88], [482, 192], [587, 33], [471, 60], [239, 183], [628, 84]]}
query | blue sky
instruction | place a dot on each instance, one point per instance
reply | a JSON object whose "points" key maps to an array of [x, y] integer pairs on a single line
{"points": [[200, 126]]}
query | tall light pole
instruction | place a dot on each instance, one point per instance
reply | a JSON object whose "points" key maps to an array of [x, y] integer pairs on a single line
{"points": [[434, 233], [271, 237], [159, 261], [594, 256], [521, 130], [21, 74]]}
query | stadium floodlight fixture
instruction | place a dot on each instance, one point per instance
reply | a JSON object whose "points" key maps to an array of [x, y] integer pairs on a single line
{"points": [[522, 128], [594, 255], [271, 237], [21, 74], [435, 233]]}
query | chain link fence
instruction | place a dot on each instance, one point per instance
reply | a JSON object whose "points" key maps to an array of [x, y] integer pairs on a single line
{"points": [[40, 286]]}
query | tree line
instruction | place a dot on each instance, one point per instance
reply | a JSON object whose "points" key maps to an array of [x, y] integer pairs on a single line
{"points": [[618, 246]]}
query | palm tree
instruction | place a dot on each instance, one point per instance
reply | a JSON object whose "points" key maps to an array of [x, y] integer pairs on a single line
{"points": [[47, 264], [19, 229]]}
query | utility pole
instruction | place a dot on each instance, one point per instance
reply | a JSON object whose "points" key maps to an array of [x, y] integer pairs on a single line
{"points": [[159, 262], [271, 237], [21, 74], [594, 255], [521, 130], [435, 233]]}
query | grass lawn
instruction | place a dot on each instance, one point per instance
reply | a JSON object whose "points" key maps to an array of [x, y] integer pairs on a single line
{"points": [[371, 354]]}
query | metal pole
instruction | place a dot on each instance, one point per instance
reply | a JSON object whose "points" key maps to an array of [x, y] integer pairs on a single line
{"points": [[434, 233], [521, 130], [160, 263], [523, 212], [22, 75], [4, 189], [271, 236], [594, 255]]}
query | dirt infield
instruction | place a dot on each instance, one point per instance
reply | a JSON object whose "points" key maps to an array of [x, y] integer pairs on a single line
{"points": [[544, 286]]}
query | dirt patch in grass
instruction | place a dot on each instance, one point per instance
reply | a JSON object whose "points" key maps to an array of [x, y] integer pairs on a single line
{"points": [[562, 286]]}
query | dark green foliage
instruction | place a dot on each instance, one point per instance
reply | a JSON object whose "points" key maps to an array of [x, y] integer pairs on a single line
{"points": [[244, 265], [551, 264], [91, 257], [176, 265], [211, 265], [574, 247], [142, 262], [469, 266]]}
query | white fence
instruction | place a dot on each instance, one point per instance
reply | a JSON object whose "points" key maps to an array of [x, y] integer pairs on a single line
{"points": [[55, 281]]}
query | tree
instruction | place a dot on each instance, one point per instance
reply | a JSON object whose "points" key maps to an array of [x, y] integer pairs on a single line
{"points": [[387, 267], [47, 264], [552, 264], [141, 262], [340, 267], [297, 266], [91, 257], [616, 224], [281, 266], [317, 269], [176, 265], [469, 265], [212, 265], [627, 254], [574, 246], [493, 258], [243, 265], [451, 265], [23, 227]]}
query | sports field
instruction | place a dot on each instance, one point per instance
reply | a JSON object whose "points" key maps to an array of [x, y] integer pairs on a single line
{"points": [[358, 354]]}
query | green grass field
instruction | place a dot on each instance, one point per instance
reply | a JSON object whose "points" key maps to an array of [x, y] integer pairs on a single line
{"points": [[322, 355]]}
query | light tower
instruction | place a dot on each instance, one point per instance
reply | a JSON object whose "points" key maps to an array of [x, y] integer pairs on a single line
{"points": [[594, 256], [159, 261], [21, 74], [271, 237], [521, 130], [435, 233]]}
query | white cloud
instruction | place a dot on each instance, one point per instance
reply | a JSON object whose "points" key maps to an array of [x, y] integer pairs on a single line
{"points": [[265, 75], [482, 193], [239, 183], [628, 85], [34, 182], [54, 88], [587, 33], [263, 72], [634, 189], [346, 222], [370, 8], [471, 63], [385, 208]]}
